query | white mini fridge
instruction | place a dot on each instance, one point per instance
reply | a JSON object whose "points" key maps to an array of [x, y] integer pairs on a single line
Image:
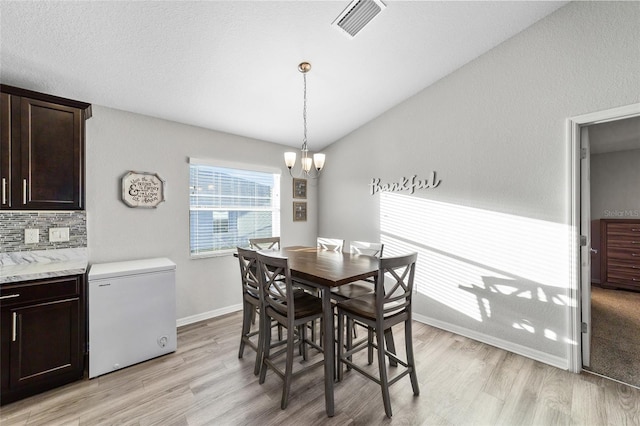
{"points": [[132, 313]]}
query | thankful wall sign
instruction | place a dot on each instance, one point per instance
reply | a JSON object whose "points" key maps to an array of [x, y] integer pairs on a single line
{"points": [[406, 184]]}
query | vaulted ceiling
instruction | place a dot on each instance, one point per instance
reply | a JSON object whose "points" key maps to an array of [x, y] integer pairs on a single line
{"points": [[232, 65]]}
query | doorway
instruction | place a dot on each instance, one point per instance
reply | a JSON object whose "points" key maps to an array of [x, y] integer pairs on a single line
{"points": [[613, 204], [580, 222]]}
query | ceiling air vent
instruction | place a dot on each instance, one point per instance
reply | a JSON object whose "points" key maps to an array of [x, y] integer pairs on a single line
{"points": [[358, 14]]}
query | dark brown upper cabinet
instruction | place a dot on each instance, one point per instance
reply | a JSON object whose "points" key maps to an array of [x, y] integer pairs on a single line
{"points": [[42, 150]]}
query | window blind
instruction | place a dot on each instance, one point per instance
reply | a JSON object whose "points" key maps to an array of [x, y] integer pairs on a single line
{"points": [[228, 206]]}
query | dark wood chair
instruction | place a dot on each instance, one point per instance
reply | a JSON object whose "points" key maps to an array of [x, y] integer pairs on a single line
{"points": [[269, 243], [250, 304], [390, 305], [361, 288], [293, 310], [357, 289]]}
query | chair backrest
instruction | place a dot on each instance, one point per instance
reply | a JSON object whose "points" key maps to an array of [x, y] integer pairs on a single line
{"points": [[249, 272], [275, 284], [331, 244], [367, 249], [270, 243], [395, 284]]}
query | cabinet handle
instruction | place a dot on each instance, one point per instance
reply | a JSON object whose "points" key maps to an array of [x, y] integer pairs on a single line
{"points": [[635, 229], [4, 191], [14, 327], [9, 296], [24, 191]]}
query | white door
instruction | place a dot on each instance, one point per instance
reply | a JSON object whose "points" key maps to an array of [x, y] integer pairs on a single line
{"points": [[585, 250]]}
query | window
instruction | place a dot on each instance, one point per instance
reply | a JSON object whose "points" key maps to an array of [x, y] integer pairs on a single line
{"points": [[229, 205]]}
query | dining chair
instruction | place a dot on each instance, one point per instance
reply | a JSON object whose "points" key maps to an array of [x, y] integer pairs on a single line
{"points": [[268, 243], [291, 309], [332, 244], [359, 288], [389, 306], [250, 304]]}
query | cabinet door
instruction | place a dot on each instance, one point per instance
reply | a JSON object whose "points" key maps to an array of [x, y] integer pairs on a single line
{"points": [[45, 341], [52, 153], [5, 150]]}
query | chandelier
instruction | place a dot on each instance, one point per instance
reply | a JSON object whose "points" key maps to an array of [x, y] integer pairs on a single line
{"points": [[307, 163]]}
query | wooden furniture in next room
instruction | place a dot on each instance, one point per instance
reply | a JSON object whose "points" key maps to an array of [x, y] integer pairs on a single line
{"points": [[620, 253]]}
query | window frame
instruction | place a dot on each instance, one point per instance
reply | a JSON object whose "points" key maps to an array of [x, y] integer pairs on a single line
{"points": [[276, 208]]}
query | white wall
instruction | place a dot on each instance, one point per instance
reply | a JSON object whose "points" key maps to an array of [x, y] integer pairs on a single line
{"points": [[119, 141], [493, 238], [615, 185]]}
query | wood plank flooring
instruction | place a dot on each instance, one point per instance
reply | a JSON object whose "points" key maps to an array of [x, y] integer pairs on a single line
{"points": [[462, 382]]}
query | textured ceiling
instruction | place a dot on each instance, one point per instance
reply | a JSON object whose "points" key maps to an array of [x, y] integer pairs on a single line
{"points": [[232, 65]]}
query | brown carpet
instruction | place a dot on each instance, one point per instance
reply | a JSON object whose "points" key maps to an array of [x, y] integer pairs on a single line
{"points": [[615, 334]]}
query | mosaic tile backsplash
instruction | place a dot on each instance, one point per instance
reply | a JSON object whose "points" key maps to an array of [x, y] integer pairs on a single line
{"points": [[13, 224]]}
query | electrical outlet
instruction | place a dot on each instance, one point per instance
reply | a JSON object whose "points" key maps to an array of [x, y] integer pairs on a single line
{"points": [[31, 236], [58, 234]]}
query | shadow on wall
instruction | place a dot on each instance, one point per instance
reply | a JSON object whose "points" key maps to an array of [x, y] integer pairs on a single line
{"points": [[502, 275]]}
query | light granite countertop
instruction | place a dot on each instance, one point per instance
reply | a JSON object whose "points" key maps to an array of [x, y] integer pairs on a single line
{"points": [[39, 264]]}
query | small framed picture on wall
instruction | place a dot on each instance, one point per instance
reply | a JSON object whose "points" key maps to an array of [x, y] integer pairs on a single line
{"points": [[299, 188], [299, 211]]}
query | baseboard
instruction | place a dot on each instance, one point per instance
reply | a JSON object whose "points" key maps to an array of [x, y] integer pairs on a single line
{"points": [[208, 315], [543, 357]]}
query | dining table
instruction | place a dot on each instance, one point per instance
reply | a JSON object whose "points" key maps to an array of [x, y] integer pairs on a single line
{"points": [[324, 270]]}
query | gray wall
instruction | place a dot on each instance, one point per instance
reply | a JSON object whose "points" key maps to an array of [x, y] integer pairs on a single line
{"points": [[119, 141], [494, 237], [615, 185]]}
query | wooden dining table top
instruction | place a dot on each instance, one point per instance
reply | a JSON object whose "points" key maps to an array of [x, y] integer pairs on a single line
{"points": [[326, 268]]}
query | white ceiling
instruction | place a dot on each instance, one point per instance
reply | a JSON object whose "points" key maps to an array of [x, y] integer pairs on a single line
{"points": [[232, 65]]}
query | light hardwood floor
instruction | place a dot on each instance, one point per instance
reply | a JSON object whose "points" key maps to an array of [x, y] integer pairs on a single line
{"points": [[462, 382]]}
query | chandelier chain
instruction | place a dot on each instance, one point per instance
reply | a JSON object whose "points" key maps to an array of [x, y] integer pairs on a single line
{"points": [[304, 109]]}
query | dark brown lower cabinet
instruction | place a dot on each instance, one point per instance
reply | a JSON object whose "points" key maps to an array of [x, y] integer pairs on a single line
{"points": [[42, 335]]}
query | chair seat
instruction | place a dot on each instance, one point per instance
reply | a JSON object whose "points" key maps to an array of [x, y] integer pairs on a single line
{"points": [[365, 307], [306, 305], [353, 290]]}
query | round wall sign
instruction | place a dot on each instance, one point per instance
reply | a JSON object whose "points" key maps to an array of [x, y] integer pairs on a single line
{"points": [[142, 189]]}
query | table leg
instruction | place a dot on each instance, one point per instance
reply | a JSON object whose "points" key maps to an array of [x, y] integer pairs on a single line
{"points": [[329, 350]]}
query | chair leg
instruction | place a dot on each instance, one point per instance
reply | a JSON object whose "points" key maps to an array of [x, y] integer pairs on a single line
{"points": [[347, 332], [266, 351], [370, 346], [391, 346], [303, 342], [246, 326], [384, 383], [264, 327], [254, 310], [408, 337], [288, 372], [313, 331], [341, 344]]}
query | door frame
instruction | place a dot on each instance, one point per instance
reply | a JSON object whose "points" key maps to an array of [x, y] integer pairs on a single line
{"points": [[574, 124]]}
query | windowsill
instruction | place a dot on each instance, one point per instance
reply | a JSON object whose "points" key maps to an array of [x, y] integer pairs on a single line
{"points": [[221, 253]]}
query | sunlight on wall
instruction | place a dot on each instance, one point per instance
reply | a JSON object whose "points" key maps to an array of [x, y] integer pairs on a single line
{"points": [[468, 257]]}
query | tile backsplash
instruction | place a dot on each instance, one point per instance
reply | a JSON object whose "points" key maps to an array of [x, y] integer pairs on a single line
{"points": [[13, 224]]}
